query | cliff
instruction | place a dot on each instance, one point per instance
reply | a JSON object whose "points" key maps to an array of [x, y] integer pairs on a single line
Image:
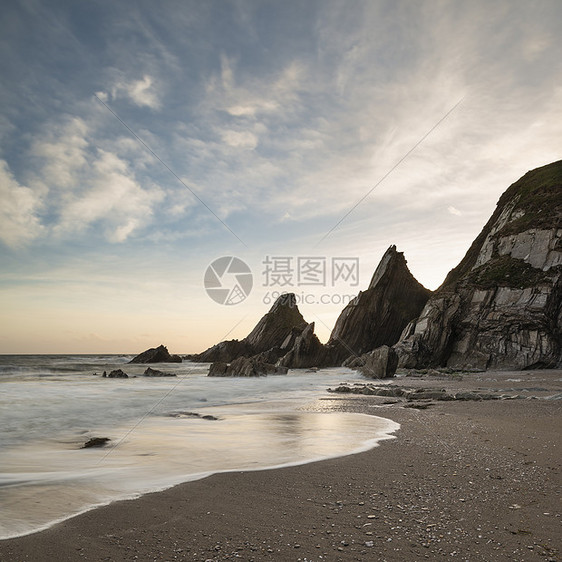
{"points": [[501, 306]]}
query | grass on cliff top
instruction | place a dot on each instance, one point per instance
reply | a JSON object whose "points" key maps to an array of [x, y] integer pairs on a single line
{"points": [[539, 195], [506, 271]]}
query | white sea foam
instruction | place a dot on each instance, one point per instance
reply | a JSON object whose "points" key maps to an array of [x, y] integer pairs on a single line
{"points": [[48, 410]]}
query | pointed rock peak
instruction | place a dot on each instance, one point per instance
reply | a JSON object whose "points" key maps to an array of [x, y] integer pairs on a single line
{"points": [[287, 300], [379, 315], [308, 331], [391, 262], [277, 324]]}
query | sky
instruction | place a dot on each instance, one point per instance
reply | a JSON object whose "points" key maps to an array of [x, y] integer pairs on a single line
{"points": [[141, 141]]}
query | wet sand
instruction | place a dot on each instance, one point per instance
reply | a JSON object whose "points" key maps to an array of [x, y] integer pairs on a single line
{"points": [[462, 480]]}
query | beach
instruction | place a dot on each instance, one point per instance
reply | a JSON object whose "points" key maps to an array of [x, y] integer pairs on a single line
{"points": [[471, 480]]}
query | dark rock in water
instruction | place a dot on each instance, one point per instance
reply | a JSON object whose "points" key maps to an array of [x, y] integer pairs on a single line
{"points": [[150, 372], [380, 363], [249, 367], [96, 442], [501, 307], [116, 374], [377, 316], [282, 321], [158, 354], [218, 369], [246, 367], [207, 417]]}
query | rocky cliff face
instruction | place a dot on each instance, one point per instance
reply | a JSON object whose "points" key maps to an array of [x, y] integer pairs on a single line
{"points": [[377, 316], [306, 351], [274, 334], [501, 307]]}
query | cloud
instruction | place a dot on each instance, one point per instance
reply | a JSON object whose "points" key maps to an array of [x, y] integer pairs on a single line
{"points": [[239, 139], [253, 97], [90, 186], [454, 211], [19, 223], [63, 152], [113, 198], [142, 93], [252, 108]]}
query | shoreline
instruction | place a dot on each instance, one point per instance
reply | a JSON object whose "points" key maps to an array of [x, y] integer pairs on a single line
{"points": [[469, 480], [387, 433]]}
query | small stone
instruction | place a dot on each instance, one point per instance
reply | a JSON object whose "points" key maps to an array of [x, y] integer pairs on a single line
{"points": [[96, 442]]}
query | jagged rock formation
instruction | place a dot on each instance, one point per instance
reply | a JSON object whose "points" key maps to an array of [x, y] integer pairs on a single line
{"points": [[276, 331], [501, 307], [245, 367], [223, 351], [377, 316], [218, 369], [306, 351], [381, 363], [278, 324], [158, 354]]}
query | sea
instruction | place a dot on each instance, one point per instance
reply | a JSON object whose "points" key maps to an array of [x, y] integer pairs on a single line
{"points": [[162, 430]]}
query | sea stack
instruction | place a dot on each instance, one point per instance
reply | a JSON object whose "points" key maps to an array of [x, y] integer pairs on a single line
{"points": [[274, 334], [378, 315], [158, 354]]}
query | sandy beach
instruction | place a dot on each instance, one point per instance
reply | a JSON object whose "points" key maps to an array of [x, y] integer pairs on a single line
{"points": [[469, 480]]}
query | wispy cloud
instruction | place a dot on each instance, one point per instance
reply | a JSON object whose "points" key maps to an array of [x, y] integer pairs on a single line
{"points": [[113, 198], [141, 92], [280, 116], [19, 221], [62, 151], [88, 186]]}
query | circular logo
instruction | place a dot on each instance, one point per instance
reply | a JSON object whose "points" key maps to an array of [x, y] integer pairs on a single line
{"points": [[228, 280]]}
